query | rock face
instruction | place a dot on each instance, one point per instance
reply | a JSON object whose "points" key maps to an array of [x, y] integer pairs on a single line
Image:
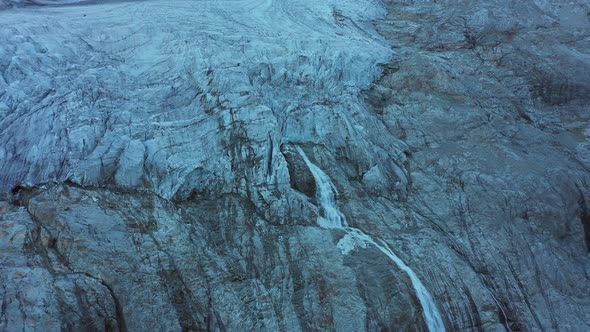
{"points": [[151, 179]]}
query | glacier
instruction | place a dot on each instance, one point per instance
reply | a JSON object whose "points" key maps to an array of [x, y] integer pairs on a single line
{"points": [[273, 165]]}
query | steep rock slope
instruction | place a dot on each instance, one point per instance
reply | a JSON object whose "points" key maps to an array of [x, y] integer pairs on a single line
{"points": [[152, 169]]}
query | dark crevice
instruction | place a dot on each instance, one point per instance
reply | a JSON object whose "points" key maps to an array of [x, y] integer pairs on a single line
{"points": [[118, 308], [16, 189], [474, 317], [515, 326], [300, 176], [269, 155], [585, 219], [3, 308], [121, 324], [22, 193]]}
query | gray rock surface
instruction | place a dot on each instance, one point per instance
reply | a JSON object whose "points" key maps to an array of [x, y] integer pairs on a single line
{"points": [[150, 180]]}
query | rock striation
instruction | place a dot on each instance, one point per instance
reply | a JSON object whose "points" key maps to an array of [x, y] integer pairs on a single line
{"points": [[273, 165]]}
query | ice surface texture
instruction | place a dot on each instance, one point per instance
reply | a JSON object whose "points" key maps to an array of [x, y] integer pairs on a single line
{"points": [[150, 177]]}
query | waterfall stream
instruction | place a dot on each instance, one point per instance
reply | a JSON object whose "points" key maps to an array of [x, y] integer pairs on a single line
{"points": [[331, 217]]}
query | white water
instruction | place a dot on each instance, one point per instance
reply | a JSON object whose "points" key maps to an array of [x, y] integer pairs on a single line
{"points": [[331, 217]]}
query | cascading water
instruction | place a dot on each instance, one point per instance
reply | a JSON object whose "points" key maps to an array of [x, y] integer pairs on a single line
{"points": [[331, 217]]}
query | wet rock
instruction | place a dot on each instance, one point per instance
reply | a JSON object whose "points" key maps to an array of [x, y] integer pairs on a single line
{"points": [[300, 177], [149, 177]]}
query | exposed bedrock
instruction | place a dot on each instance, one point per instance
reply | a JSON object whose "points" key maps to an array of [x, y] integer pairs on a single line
{"points": [[152, 169]]}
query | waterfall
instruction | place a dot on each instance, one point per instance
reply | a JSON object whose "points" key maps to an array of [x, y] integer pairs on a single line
{"points": [[331, 217]]}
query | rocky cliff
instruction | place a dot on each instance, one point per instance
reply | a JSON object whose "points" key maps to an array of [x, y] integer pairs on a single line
{"points": [[274, 165]]}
